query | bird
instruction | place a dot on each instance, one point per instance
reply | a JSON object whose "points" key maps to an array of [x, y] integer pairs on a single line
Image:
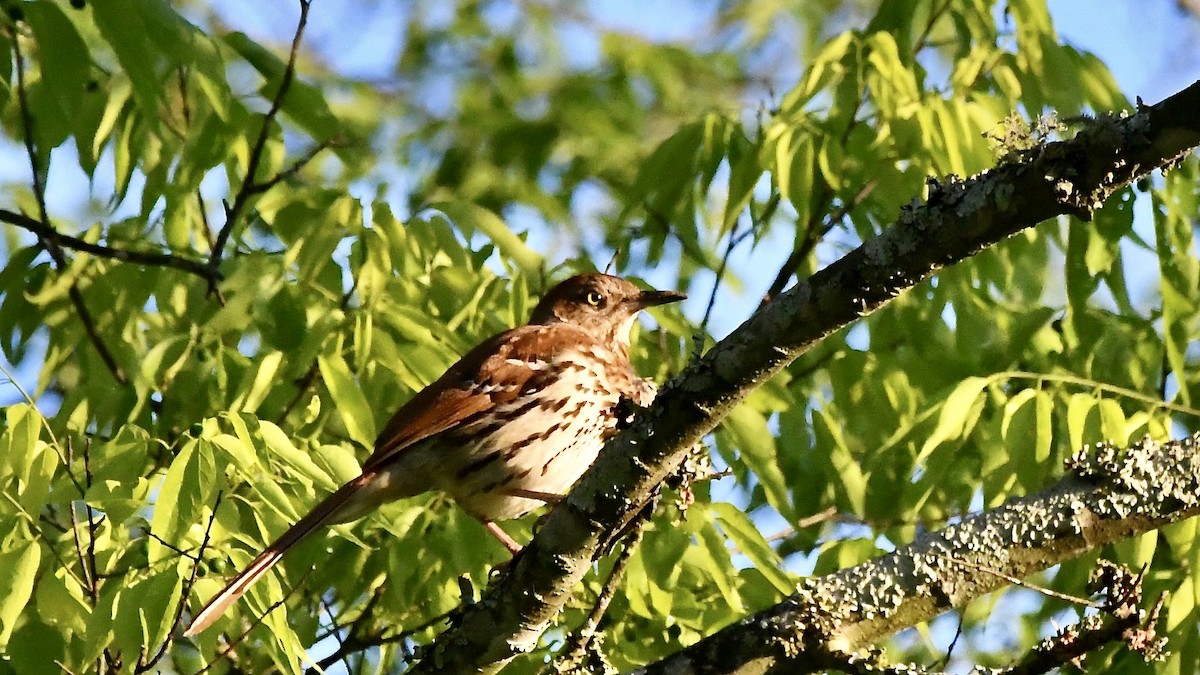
{"points": [[508, 428]]}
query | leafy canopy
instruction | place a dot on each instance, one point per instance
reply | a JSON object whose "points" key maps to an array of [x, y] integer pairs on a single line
{"points": [[241, 285]]}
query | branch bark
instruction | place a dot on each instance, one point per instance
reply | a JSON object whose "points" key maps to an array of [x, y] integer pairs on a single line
{"points": [[959, 219], [1108, 495]]}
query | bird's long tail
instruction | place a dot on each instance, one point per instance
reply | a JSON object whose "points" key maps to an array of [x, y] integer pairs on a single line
{"points": [[321, 514]]}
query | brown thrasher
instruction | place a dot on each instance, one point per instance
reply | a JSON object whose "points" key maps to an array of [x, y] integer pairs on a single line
{"points": [[508, 428]]}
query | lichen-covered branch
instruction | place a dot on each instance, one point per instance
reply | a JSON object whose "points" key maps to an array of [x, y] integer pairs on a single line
{"points": [[959, 219], [1121, 620], [1108, 495]]}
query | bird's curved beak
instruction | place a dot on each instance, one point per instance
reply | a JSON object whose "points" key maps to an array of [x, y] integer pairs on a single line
{"points": [[652, 298]]}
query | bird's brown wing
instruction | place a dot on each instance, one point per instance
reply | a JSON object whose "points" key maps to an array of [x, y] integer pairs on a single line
{"points": [[488, 375]]}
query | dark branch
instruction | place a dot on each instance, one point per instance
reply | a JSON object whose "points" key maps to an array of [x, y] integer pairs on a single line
{"points": [[150, 259], [51, 240], [241, 199]]}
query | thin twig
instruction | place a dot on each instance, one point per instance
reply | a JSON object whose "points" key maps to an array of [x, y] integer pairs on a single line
{"points": [[735, 239], [813, 235], [147, 258], [145, 665], [232, 644], [233, 212], [1016, 581], [295, 168], [352, 646], [958, 631], [1090, 635], [577, 648], [51, 239]]}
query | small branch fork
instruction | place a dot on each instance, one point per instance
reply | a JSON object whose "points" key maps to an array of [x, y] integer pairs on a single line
{"points": [[148, 258], [249, 186], [1120, 621]]}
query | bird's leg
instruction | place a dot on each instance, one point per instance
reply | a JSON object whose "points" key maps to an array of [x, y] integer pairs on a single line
{"points": [[509, 543], [547, 497]]}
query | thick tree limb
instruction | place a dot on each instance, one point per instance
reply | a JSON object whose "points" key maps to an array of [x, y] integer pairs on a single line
{"points": [[959, 219], [1107, 496]]}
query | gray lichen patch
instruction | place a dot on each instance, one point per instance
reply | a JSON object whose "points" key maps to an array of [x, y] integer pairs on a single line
{"points": [[1109, 494], [1148, 477]]}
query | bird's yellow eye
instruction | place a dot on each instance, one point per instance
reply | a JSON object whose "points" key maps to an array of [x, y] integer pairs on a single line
{"points": [[594, 299]]}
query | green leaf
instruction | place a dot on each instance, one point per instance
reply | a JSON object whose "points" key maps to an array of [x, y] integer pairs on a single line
{"points": [[716, 558], [1080, 429], [19, 442], [177, 505], [1026, 430], [37, 477], [1045, 428], [848, 480], [757, 445], [20, 566], [65, 66], [1179, 272], [1112, 421], [495, 229], [745, 169], [827, 68], [959, 413], [151, 604], [750, 543], [281, 447], [794, 166], [261, 381], [1014, 405], [348, 398], [123, 26]]}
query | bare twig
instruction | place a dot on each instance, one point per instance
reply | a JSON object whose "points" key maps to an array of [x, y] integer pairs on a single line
{"points": [[227, 651], [813, 235], [144, 665], [576, 650], [296, 166], [241, 198], [355, 644], [1136, 630], [735, 238], [51, 240], [151, 259]]}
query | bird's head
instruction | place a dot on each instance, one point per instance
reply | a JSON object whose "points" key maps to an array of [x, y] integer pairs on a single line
{"points": [[599, 303]]}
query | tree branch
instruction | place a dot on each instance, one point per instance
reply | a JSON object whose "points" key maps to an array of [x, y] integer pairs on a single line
{"points": [[248, 189], [51, 239], [147, 258], [1107, 496], [959, 219]]}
